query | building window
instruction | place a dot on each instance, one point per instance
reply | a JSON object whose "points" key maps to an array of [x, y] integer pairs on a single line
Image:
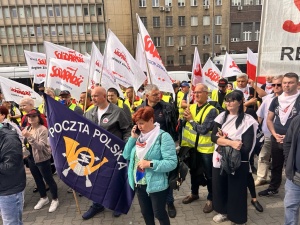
{"points": [[181, 3], [64, 10], [36, 12], [85, 11], [156, 41], [168, 2], [247, 31], [248, 2], [53, 31], [206, 39], [31, 31], [205, 2], [74, 30], [194, 40], [80, 30], [194, 2], [14, 13], [181, 21], [57, 11], [170, 41], [182, 61], [156, 21], [78, 10], [155, 3], [94, 29], [170, 60], [28, 12], [87, 28], [257, 31], [144, 21], [67, 30], [20, 50], [142, 3], [236, 2], [194, 21], [99, 11], [218, 20], [6, 12], [206, 20], [92, 10], [46, 30], [182, 40], [218, 2], [235, 32], [1, 15], [17, 31], [82, 47], [60, 30], [50, 11], [12, 50], [2, 32], [39, 32], [258, 2], [169, 21], [72, 11], [10, 32], [218, 39], [5, 50], [21, 13], [24, 32]]}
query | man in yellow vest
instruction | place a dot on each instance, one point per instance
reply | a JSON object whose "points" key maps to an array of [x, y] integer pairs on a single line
{"points": [[219, 95], [89, 103], [65, 99], [199, 119], [130, 96]]}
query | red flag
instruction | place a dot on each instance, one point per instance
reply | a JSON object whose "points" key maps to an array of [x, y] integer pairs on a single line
{"points": [[251, 67]]}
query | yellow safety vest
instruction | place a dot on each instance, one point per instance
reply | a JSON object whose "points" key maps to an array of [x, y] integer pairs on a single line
{"points": [[72, 106], [166, 98], [15, 110], [205, 145], [180, 96], [135, 103], [215, 97], [120, 103]]}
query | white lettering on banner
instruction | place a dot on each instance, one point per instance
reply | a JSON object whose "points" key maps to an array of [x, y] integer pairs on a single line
{"points": [[81, 127]]}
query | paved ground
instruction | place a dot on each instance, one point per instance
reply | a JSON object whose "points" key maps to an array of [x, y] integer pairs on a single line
{"points": [[186, 214]]}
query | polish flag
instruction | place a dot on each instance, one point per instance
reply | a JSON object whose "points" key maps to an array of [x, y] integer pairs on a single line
{"points": [[230, 68], [252, 60], [197, 70]]}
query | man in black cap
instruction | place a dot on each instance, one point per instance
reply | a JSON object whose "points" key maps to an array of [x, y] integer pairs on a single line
{"points": [[65, 99], [219, 95]]}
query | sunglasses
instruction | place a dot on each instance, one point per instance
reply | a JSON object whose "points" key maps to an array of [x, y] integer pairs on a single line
{"points": [[274, 85]]}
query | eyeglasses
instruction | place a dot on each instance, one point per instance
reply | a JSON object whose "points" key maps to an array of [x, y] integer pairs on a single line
{"points": [[198, 92], [274, 85]]}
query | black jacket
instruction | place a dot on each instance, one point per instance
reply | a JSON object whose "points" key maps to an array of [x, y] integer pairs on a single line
{"points": [[12, 172], [290, 147]]}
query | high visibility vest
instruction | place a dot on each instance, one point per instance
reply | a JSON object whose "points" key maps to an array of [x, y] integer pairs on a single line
{"points": [[135, 103], [215, 97], [41, 108], [166, 98], [72, 106], [15, 111], [205, 145], [120, 103], [180, 96]]}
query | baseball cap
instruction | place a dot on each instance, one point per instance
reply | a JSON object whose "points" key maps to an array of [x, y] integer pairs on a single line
{"points": [[64, 92], [184, 84], [222, 82]]}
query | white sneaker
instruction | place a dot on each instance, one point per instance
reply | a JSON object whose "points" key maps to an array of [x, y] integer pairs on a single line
{"points": [[41, 203], [53, 206], [220, 218]]}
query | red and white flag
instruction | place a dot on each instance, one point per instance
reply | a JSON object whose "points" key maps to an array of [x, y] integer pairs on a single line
{"points": [[197, 76], [279, 38], [124, 67], [65, 75], [37, 65], [158, 72], [211, 75], [107, 79], [252, 60], [14, 91], [230, 68]]}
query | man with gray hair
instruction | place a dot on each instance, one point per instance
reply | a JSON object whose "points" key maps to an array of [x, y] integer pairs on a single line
{"points": [[164, 114], [242, 85]]}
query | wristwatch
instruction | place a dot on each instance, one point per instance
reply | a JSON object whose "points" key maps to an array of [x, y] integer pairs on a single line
{"points": [[151, 164], [191, 121]]}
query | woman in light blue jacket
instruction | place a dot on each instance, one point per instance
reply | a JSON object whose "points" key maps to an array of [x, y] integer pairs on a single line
{"points": [[152, 155]]}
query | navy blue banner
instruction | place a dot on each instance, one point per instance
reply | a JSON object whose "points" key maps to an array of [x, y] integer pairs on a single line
{"points": [[88, 158]]}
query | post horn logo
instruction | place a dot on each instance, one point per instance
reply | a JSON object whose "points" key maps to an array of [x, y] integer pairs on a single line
{"points": [[83, 165]]}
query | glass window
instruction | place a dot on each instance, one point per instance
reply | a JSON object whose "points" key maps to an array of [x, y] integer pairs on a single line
{"points": [[258, 2], [2, 32], [155, 3], [5, 50], [26, 47], [88, 47], [170, 41], [218, 39], [43, 11], [78, 10], [194, 2], [168, 2], [76, 47], [142, 3], [12, 50], [31, 31], [170, 60], [144, 21], [60, 30], [6, 12], [247, 31], [64, 10], [20, 50], [50, 11], [169, 21], [80, 30], [156, 41], [94, 29], [182, 61], [53, 30], [87, 28], [156, 21], [85, 11], [39, 32], [194, 40], [101, 28], [236, 2], [34, 48], [92, 10], [181, 3], [194, 21], [1, 14], [72, 11], [14, 13], [82, 47], [21, 12], [206, 20], [41, 48], [24, 31], [28, 12], [206, 39], [57, 11], [9, 32], [67, 30], [17, 31], [218, 2], [46, 30], [205, 2], [181, 21], [74, 29], [218, 20], [248, 2], [257, 31], [182, 40], [235, 32], [99, 11], [36, 12]]}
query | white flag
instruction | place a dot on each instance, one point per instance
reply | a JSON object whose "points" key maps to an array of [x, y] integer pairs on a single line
{"points": [[279, 50], [37, 66], [108, 79], [66, 75], [124, 67], [158, 72], [211, 75], [230, 68], [196, 70], [140, 54], [14, 91]]}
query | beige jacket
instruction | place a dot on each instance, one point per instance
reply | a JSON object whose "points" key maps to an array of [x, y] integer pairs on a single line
{"points": [[40, 145]]}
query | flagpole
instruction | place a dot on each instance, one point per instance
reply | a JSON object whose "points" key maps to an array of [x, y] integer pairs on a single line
{"points": [[104, 56], [76, 201], [137, 18]]}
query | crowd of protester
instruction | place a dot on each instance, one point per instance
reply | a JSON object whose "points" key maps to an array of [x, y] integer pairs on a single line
{"points": [[217, 127]]}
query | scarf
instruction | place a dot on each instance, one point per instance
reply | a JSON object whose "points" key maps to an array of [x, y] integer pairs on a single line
{"points": [[245, 91], [286, 104], [268, 88]]}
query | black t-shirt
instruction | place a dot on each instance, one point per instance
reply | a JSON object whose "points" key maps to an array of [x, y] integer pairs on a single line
{"points": [[274, 107]]}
